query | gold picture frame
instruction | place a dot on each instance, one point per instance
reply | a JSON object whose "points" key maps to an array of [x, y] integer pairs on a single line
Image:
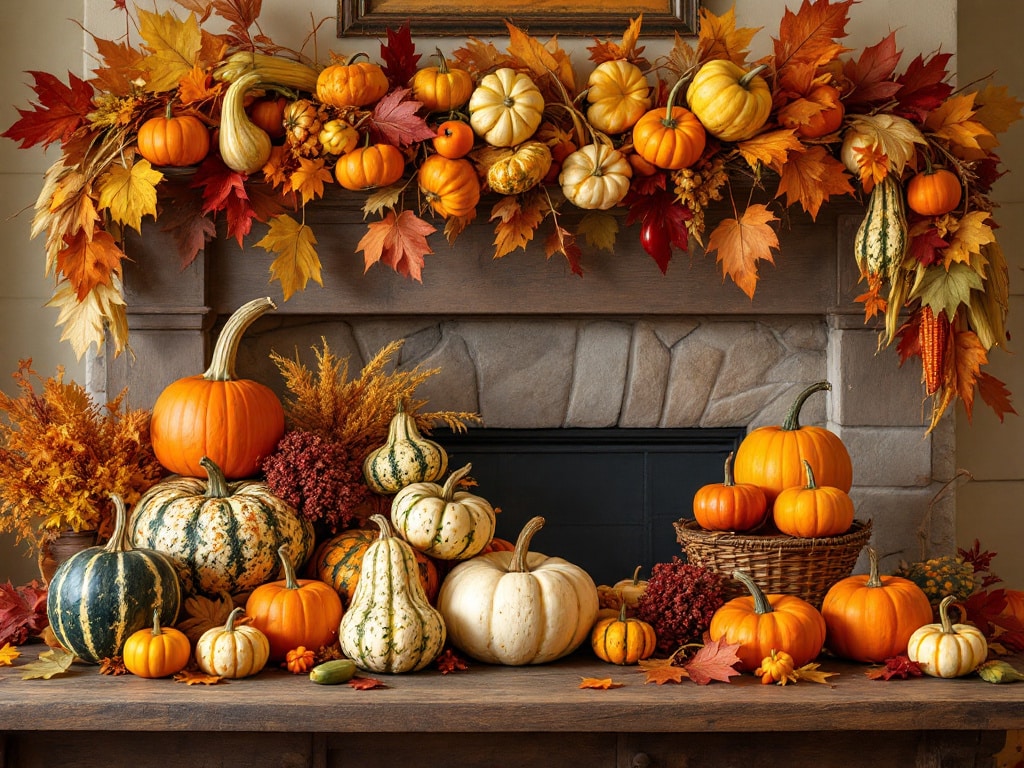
{"points": [[566, 18]]}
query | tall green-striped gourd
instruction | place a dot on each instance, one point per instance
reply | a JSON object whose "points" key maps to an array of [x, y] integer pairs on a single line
{"points": [[881, 240], [223, 536], [407, 457], [102, 595], [389, 625]]}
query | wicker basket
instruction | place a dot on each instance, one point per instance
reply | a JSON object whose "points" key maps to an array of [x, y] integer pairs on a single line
{"points": [[778, 563]]}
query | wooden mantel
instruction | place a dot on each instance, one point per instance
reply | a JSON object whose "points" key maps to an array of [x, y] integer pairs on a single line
{"points": [[506, 716]]}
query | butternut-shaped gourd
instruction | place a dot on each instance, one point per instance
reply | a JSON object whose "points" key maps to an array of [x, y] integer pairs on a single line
{"points": [[407, 457], [244, 146]]}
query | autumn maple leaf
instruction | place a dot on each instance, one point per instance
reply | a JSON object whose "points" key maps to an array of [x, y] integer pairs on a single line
{"points": [[543, 61], [606, 50], [89, 259], [297, 261], [871, 73], [399, 56], [59, 112], [923, 86], [174, 46], [715, 660], [661, 671], [394, 120], [811, 177], [518, 218], [718, 37], [809, 36], [599, 683], [309, 178], [742, 243], [563, 241], [400, 241]]}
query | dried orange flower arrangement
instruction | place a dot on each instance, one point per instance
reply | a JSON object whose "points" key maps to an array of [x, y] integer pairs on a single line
{"points": [[62, 455]]}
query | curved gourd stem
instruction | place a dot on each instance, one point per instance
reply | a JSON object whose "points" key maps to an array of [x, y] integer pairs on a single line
{"points": [[874, 580], [947, 623], [745, 80], [157, 630], [222, 364], [216, 484], [229, 625], [290, 581], [386, 531], [636, 575], [120, 541], [729, 480], [792, 421], [761, 604], [668, 121], [518, 562], [812, 484], [448, 491]]}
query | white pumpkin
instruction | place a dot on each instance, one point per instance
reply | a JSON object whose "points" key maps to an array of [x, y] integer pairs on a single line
{"points": [[505, 108], [595, 177], [442, 522], [520, 607], [947, 649]]}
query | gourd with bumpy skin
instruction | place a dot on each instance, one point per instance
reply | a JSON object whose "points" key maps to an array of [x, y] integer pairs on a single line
{"points": [[441, 521], [390, 626], [520, 607], [102, 595], [882, 236], [232, 651], [223, 536], [947, 649], [595, 177], [407, 457], [505, 108], [730, 103], [244, 146], [520, 169]]}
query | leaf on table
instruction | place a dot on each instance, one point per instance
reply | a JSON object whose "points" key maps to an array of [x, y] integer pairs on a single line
{"points": [[365, 683], [742, 243], [297, 261], [196, 677], [449, 661], [661, 671], [715, 660], [114, 666], [8, 654], [55, 661], [899, 667], [812, 673], [601, 684]]}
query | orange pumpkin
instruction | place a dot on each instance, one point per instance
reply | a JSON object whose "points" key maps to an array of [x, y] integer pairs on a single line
{"points": [[870, 618], [376, 165], [156, 651], [934, 191], [498, 545], [454, 139], [352, 84], [173, 141], [294, 612], [729, 506], [771, 457], [441, 88], [623, 639], [450, 187], [762, 623], [671, 137], [813, 510], [817, 114], [268, 114], [235, 422]]}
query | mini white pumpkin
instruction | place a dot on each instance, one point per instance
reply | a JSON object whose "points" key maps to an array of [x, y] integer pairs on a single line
{"points": [[518, 607], [505, 108], [595, 177], [947, 649]]}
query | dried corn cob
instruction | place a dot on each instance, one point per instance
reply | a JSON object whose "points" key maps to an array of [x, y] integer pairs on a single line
{"points": [[933, 334]]}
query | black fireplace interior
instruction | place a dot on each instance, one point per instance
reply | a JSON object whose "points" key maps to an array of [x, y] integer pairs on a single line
{"points": [[608, 496]]}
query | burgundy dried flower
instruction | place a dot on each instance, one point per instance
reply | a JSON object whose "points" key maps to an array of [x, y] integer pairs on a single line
{"points": [[321, 478], [679, 601]]}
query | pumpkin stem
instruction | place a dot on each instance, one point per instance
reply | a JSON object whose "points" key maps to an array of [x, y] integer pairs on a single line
{"points": [[792, 421], [947, 623], [229, 625], [622, 613], [448, 491], [120, 541], [442, 62], [668, 121], [874, 580], [222, 364], [386, 532], [809, 474], [636, 575], [216, 483], [729, 481], [518, 562], [354, 56], [745, 80], [761, 603], [157, 631], [289, 569]]}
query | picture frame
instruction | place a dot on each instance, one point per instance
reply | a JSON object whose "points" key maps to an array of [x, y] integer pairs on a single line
{"points": [[566, 18]]}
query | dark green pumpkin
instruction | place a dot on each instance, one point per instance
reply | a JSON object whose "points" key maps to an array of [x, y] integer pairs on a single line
{"points": [[101, 595]]}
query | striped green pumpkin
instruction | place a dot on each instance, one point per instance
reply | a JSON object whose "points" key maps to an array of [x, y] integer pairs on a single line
{"points": [[407, 457], [389, 625], [102, 595], [223, 536], [881, 240]]}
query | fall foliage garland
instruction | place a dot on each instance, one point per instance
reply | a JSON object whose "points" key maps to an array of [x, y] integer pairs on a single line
{"points": [[838, 125]]}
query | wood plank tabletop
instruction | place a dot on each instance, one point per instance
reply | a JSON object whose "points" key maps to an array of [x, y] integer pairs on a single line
{"points": [[487, 698]]}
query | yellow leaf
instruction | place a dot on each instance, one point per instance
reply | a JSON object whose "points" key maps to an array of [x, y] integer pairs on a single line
{"points": [[84, 321], [381, 199], [518, 220], [894, 137], [599, 229], [599, 683], [129, 193], [997, 111], [770, 149], [8, 654], [55, 661], [971, 234], [309, 178], [742, 242], [988, 308], [297, 261], [720, 39], [811, 674], [173, 46], [952, 120], [541, 60]]}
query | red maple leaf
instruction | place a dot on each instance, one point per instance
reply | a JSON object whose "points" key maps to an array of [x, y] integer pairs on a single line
{"points": [[59, 112], [900, 667], [716, 660], [182, 217], [871, 73], [927, 247], [394, 120], [365, 683], [22, 612], [923, 87], [224, 190], [995, 394], [399, 56], [398, 241]]}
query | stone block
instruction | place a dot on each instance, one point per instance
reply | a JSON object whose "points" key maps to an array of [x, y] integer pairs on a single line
{"points": [[694, 371], [599, 375], [896, 456], [648, 376], [906, 524]]}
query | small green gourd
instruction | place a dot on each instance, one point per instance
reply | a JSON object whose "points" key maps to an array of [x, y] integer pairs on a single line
{"points": [[881, 240], [333, 672], [407, 457]]}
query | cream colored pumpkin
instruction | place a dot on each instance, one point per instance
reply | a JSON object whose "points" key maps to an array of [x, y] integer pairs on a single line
{"points": [[505, 108], [595, 177], [232, 651], [947, 649], [619, 95], [441, 521], [518, 607], [389, 625], [407, 457]]}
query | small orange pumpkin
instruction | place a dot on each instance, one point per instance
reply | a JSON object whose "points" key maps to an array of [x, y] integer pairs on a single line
{"points": [[450, 187], [173, 141], [454, 139], [623, 639], [376, 165], [293, 612], [156, 651], [671, 137], [934, 191], [441, 88], [729, 506], [268, 114], [352, 84], [813, 510], [817, 114]]}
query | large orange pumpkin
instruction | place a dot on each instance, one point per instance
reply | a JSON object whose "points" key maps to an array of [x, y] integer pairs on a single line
{"points": [[761, 623], [870, 618], [441, 88], [772, 457], [351, 84], [234, 422]]}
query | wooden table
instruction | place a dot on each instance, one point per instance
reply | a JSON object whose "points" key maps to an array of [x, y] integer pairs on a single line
{"points": [[501, 717]]}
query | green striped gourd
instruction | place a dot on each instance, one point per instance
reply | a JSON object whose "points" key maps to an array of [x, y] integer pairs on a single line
{"points": [[407, 457], [881, 240], [102, 595], [390, 626], [442, 522], [223, 536]]}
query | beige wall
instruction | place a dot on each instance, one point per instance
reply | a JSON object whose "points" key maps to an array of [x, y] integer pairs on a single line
{"points": [[40, 36]]}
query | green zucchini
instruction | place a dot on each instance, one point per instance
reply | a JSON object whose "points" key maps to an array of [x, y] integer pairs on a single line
{"points": [[333, 672]]}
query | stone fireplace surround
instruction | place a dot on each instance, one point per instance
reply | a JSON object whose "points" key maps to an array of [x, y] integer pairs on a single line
{"points": [[528, 345]]}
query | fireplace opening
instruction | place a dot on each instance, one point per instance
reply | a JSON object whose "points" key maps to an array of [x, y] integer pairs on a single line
{"points": [[608, 496]]}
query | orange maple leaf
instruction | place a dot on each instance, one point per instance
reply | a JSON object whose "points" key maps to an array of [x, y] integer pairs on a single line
{"points": [[770, 149], [196, 677], [715, 660], [952, 120], [742, 242], [811, 177], [564, 242], [89, 261], [809, 36], [872, 166], [398, 241], [309, 178], [970, 356], [542, 60], [121, 65], [365, 683], [195, 86], [602, 684], [718, 37], [661, 671], [518, 219], [872, 301], [628, 50]]}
